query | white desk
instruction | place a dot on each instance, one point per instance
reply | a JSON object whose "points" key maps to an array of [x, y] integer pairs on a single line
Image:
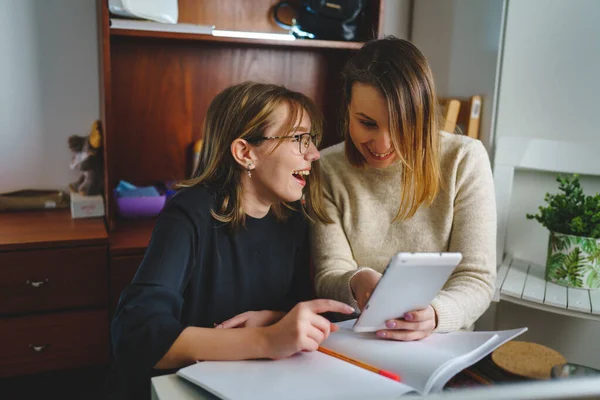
{"points": [[169, 387]]}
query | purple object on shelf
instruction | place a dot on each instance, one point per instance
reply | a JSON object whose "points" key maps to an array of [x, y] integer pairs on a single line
{"points": [[139, 207]]}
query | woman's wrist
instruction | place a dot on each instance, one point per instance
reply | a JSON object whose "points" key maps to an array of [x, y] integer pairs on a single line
{"points": [[353, 280], [263, 338]]}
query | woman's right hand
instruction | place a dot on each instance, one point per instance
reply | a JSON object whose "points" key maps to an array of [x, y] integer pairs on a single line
{"points": [[363, 284], [302, 329]]}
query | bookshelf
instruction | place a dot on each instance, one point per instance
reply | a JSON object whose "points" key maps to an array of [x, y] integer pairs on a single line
{"points": [[156, 87]]}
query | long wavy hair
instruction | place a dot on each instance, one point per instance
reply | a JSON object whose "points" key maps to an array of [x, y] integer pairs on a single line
{"points": [[245, 111], [400, 72]]}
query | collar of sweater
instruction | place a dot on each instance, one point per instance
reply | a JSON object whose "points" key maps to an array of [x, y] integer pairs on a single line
{"points": [[389, 171]]}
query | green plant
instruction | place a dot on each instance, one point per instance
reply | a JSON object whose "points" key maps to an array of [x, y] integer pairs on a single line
{"points": [[570, 212], [568, 267], [593, 279]]}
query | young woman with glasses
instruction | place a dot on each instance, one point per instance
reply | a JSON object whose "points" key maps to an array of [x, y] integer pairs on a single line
{"points": [[231, 248], [399, 184]]}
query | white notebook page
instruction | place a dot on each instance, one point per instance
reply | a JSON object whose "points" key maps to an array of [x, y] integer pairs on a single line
{"points": [[415, 361], [308, 376]]}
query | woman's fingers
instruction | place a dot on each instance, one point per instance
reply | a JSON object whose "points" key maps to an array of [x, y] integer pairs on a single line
{"points": [[400, 324], [319, 306], [418, 320], [416, 325], [420, 315], [316, 335], [323, 324], [405, 336], [238, 320]]}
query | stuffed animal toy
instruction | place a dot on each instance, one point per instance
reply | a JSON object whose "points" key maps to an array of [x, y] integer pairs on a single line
{"points": [[87, 158]]}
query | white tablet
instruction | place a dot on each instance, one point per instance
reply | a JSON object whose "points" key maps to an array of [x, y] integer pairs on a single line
{"points": [[410, 282]]}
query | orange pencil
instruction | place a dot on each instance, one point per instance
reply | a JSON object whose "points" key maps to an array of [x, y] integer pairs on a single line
{"points": [[361, 364]]}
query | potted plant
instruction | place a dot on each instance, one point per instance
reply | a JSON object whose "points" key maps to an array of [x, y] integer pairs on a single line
{"points": [[573, 220]]}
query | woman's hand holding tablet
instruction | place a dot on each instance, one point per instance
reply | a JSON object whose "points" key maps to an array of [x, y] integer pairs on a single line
{"points": [[401, 297]]}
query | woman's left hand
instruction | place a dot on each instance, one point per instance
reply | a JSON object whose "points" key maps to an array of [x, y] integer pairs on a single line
{"points": [[252, 319], [416, 325]]}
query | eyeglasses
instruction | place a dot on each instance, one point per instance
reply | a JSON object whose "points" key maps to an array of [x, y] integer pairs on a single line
{"points": [[303, 139]]}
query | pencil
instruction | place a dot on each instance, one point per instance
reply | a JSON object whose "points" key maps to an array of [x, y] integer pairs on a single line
{"points": [[475, 376], [361, 364]]}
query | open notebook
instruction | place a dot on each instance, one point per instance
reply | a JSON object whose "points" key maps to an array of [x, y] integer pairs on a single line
{"points": [[424, 366]]}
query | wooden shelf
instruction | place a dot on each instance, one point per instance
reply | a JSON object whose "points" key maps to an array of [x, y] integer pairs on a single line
{"points": [[306, 43], [131, 237], [522, 282]]}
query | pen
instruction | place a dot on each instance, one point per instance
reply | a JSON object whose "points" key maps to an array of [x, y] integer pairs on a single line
{"points": [[361, 364]]}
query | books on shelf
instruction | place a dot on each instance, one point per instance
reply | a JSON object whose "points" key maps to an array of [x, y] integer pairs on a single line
{"points": [[142, 25], [424, 367]]}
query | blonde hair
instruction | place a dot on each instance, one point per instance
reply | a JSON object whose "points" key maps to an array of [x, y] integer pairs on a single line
{"points": [[400, 72], [245, 111]]}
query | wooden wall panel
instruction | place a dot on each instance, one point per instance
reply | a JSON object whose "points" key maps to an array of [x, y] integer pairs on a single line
{"points": [[162, 89]]}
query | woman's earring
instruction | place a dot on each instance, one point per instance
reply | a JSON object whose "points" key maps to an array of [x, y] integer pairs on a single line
{"points": [[250, 170]]}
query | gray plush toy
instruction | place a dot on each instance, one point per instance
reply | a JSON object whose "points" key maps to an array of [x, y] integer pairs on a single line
{"points": [[87, 158]]}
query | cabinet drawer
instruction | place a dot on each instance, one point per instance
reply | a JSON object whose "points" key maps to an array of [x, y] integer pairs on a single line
{"points": [[53, 341], [52, 279]]}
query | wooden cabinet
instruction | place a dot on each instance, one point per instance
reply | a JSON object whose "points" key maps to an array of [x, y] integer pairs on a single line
{"points": [[52, 341], [127, 245], [156, 86], [52, 279], [53, 292]]}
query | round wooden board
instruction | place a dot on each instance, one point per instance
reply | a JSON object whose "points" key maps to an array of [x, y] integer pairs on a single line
{"points": [[530, 360]]}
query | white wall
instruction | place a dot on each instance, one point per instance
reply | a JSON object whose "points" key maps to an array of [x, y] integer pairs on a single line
{"points": [[549, 88], [49, 81], [555, 94], [461, 38], [396, 18]]}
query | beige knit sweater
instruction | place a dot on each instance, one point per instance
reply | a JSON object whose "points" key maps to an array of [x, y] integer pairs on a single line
{"points": [[364, 201]]}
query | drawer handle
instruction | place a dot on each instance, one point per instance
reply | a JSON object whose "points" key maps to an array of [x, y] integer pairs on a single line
{"points": [[36, 284], [39, 349]]}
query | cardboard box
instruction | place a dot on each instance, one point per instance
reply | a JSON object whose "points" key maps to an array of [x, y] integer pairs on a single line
{"points": [[86, 206]]}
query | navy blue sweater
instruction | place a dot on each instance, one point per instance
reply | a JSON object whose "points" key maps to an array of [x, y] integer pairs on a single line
{"points": [[198, 272]]}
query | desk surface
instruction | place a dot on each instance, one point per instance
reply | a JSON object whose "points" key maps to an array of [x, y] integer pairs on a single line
{"points": [[22, 230], [172, 387]]}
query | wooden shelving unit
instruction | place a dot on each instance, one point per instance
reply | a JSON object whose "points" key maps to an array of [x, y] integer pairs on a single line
{"points": [[156, 88], [54, 298]]}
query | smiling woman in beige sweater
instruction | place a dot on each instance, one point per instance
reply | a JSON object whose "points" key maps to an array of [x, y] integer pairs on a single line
{"points": [[399, 184]]}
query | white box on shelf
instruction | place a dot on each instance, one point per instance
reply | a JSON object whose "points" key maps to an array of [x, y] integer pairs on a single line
{"points": [[165, 11], [86, 206], [119, 23]]}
